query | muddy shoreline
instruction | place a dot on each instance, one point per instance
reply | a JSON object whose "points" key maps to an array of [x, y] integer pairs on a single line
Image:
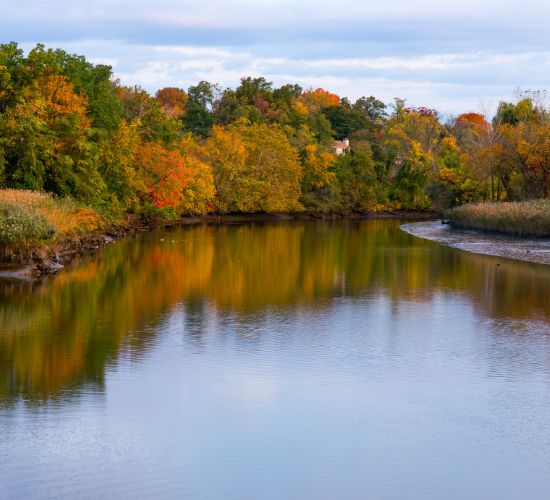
{"points": [[51, 261], [534, 250]]}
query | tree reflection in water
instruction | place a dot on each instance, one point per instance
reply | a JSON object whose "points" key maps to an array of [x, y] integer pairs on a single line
{"points": [[59, 336]]}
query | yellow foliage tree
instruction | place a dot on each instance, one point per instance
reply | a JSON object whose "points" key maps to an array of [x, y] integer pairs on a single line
{"points": [[255, 168]]}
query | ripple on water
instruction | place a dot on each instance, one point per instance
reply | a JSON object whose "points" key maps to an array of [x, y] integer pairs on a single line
{"points": [[353, 362]]}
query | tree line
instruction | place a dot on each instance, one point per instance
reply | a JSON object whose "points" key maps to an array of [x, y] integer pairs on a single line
{"points": [[68, 127]]}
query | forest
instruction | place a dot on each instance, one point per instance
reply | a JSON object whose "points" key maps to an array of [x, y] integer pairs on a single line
{"points": [[70, 128]]}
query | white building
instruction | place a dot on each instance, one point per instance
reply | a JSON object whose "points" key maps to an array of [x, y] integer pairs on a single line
{"points": [[340, 147]]}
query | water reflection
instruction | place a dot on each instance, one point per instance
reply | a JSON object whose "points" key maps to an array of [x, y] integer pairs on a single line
{"points": [[59, 336]]}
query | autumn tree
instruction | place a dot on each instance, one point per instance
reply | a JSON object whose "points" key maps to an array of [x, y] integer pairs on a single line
{"points": [[318, 99], [146, 113], [357, 182], [255, 168], [534, 150], [524, 149], [116, 165], [172, 101], [171, 182], [410, 143], [411, 179], [225, 152], [49, 147], [200, 193], [318, 179]]}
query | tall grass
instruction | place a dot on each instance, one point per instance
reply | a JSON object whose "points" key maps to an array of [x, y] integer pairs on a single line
{"points": [[527, 218], [31, 222]]}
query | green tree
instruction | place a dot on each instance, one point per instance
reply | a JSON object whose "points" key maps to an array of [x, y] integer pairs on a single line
{"points": [[357, 181], [199, 117]]}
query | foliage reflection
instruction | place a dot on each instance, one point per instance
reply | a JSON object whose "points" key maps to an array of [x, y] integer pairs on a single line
{"points": [[60, 335]]}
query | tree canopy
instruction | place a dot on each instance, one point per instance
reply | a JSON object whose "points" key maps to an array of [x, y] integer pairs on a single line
{"points": [[68, 127]]}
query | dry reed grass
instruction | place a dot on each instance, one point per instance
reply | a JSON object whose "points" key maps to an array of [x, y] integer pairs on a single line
{"points": [[524, 219], [31, 221]]}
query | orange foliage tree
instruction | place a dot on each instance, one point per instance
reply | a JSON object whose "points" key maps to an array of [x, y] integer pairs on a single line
{"points": [[318, 99], [172, 183], [473, 120], [172, 101]]}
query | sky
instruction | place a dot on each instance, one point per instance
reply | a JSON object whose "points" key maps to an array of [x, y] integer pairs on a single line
{"points": [[457, 56]]}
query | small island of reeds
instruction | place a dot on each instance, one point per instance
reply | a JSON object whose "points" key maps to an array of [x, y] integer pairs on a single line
{"points": [[524, 219]]}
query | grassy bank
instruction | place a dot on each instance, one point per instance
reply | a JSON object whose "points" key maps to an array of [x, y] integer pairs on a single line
{"points": [[38, 225], [524, 219], [31, 224]]}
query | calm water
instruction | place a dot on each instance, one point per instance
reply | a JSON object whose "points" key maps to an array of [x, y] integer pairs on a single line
{"points": [[278, 361]]}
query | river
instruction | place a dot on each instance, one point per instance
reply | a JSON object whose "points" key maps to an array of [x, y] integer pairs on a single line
{"points": [[291, 360]]}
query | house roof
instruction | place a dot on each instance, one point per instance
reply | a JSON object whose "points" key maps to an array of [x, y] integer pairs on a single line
{"points": [[341, 145]]}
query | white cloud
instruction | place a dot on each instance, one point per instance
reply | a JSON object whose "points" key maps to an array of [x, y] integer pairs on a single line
{"points": [[438, 54], [434, 61], [190, 51], [450, 82]]}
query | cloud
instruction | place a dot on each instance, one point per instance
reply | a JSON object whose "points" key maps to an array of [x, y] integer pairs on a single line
{"points": [[438, 54], [190, 51]]}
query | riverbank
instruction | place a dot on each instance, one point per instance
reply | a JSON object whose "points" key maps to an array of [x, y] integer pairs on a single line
{"points": [[237, 218], [523, 219], [40, 234], [469, 240]]}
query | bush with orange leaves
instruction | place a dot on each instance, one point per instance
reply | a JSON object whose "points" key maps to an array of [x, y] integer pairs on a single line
{"points": [[172, 184]]}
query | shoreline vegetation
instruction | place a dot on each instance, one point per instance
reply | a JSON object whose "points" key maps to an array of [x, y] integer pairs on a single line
{"points": [[39, 232], [527, 219], [33, 223], [83, 156]]}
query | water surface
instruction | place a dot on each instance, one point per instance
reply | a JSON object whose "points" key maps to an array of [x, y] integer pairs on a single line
{"points": [[278, 361]]}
